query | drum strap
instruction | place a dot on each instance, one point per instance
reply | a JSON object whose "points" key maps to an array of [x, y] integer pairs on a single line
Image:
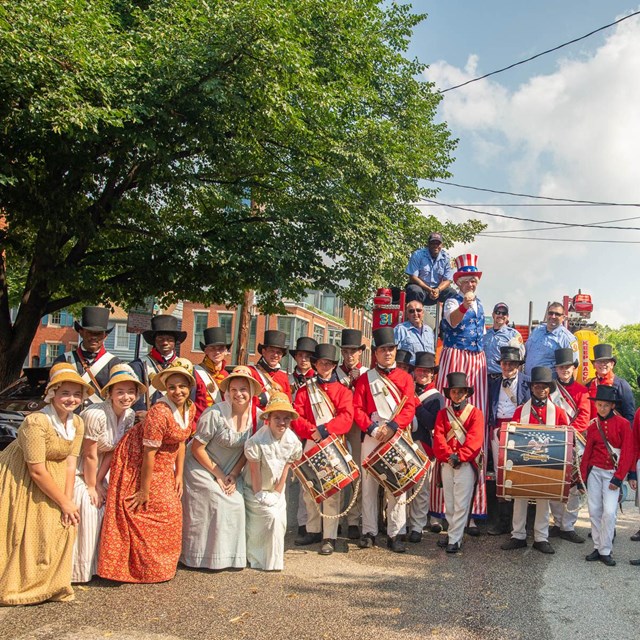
{"points": [[269, 383], [321, 406], [528, 410], [563, 399], [212, 388], [456, 424], [613, 453], [383, 397], [343, 377]]}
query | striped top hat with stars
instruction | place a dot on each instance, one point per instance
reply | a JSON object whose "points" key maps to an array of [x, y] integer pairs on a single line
{"points": [[466, 265]]}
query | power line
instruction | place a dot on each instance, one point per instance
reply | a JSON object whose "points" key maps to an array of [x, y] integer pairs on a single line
{"points": [[504, 215], [538, 55], [552, 228], [561, 239], [527, 195]]}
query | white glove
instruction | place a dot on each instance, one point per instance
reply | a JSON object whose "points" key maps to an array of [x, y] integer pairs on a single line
{"points": [[267, 498]]}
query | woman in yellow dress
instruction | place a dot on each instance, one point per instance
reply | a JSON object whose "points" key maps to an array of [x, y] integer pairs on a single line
{"points": [[38, 516]]}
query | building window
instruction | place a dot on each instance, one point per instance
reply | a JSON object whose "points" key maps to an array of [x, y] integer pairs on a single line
{"points": [[302, 328], [121, 337], [335, 336], [226, 320], [318, 333], [49, 352], [55, 318], [200, 320], [285, 324], [252, 334]]}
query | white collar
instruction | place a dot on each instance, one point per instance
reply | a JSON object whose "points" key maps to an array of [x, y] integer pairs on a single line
{"points": [[181, 418], [67, 430]]}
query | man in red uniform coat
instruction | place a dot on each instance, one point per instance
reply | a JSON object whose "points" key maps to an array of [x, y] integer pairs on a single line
{"points": [[537, 411], [458, 437], [267, 371], [325, 407], [383, 403], [606, 461], [211, 371], [635, 467], [573, 397]]}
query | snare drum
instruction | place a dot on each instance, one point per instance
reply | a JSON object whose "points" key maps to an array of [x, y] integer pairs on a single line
{"points": [[326, 469], [398, 464], [535, 461]]}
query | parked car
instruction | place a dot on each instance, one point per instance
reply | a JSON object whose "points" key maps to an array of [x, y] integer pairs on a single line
{"points": [[20, 398]]}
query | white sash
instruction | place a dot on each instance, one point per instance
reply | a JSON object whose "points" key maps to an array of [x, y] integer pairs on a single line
{"points": [[525, 416], [322, 411], [384, 400], [456, 424], [425, 394], [95, 369], [212, 388], [343, 377], [563, 399]]}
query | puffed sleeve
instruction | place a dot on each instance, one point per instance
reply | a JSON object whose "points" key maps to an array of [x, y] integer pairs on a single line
{"points": [[95, 423], [252, 450], [155, 425], [208, 425], [78, 423], [32, 438]]}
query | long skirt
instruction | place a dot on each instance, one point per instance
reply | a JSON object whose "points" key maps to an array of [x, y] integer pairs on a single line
{"points": [[266, 528], [85, 549]]}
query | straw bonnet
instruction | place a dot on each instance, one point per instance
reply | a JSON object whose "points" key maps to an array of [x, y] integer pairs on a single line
{"points": [[180, 366], [279, 402], [245, 374], [123, 373], [64, 372]]}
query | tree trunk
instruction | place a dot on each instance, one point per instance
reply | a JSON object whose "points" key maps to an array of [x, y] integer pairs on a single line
{"points": [[245, 326]]}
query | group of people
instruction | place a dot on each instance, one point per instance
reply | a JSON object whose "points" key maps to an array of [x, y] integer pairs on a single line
{"points": [[130, 469]]}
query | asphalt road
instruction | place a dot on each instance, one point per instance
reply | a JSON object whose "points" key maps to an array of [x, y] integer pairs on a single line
{"points": [[482, 593]]}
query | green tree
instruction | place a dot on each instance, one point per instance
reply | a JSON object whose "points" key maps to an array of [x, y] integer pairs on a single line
{"points": [[626, 347], [135, 134]]}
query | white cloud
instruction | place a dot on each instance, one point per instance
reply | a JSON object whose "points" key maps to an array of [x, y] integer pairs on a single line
{"points": [[574, 133]]}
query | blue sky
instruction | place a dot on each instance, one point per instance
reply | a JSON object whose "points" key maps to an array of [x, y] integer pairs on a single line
{"points": [[564, 125]]}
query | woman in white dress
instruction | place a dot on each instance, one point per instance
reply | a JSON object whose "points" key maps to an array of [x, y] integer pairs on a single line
{"points": [[213, 534], [270, 454], [105, 424]]}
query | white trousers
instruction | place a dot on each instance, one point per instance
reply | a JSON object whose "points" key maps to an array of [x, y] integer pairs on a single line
{"points": [[301, 515], [396, 512], [519, 522], [494, 441], [457, 485], [354, 437], [603, 509], [418, 508], [565, 514]]}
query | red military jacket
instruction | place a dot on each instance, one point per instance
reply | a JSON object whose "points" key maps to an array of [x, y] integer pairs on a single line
{"points": [[467, 452], [636, 437], [364, 406], [342, 400], [280, 377], [203, 399], [618, 433], [580, 396], [561, 416]]}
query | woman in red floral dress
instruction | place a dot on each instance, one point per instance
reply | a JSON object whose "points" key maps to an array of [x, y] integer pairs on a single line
{"points": [[142, 530]]}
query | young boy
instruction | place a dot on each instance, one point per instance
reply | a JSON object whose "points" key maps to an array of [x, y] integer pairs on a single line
{"points": [[606, 461], [458, 437]]}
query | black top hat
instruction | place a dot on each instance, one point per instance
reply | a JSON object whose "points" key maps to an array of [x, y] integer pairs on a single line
{"points": [[304, 344], [274, 338], [606, 393], [426, 360], [404, 357], [327, 351], [383, 337], [457, 380], [603, 352], [565, 357], [165, 324], [94, 319], [543, 375], [213, 337], [510, 354], [352, 339]]}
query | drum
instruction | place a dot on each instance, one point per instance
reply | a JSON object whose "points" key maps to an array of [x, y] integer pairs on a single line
{"points": [[579, 445], [326, 469], [535, 461], [398, 464]]}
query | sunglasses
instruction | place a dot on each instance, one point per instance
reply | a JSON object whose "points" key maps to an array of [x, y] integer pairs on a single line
{"points": [[501, 313], [557, 314], [414, 310]]}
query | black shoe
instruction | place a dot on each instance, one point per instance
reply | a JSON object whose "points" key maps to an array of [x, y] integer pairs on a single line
{"points": [[608, 560], [402, 536], [572, 536], [473, 531], [435, 527], [543, 547], [594, 555], [415, 536], [513, 543], [453, 548], [302, 530], [636, 536], [308, 538], [354, 532], [396, 545], [367, 541], [554, 532], [328, 547], [635, 563], [443, 542], [498, 529]]}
